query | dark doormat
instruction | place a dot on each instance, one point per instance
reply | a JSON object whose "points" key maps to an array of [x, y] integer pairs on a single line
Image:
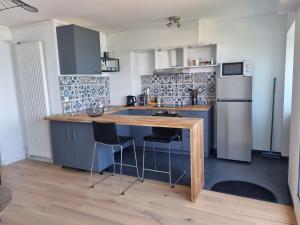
{"points": [[245, 189]]}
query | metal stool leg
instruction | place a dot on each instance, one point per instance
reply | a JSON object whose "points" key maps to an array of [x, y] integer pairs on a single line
{"points": [[121, 168], [92, 167], [154, 153], [143, 170], [170, 167], [114, 163], [136, 166], [183, 163], [137, 169]]}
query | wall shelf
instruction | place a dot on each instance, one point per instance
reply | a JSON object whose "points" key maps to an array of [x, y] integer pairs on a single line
{"points": [[110, 65], [186, 57]]}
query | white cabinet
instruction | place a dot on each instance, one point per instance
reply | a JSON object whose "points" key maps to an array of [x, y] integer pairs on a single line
{"points": [[186, 57], [168, 58]]}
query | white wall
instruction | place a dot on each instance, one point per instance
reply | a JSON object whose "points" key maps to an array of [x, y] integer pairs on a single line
{"points": [[260, 39], [133, 63], [295, 124], [12, 145], [288, 87], [45, 32], [154, 37]]}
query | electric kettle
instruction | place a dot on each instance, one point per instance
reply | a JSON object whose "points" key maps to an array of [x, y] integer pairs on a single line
{"points": [[131, 100]]}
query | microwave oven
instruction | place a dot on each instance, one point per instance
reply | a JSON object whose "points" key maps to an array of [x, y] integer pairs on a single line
{"points": [[239, 68]]}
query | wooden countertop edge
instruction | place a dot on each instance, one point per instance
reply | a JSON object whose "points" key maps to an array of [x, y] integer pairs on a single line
{"points": [[175, 122]]}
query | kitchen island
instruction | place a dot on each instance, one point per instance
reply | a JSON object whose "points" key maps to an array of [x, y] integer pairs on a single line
{"points": [[77, 131]]}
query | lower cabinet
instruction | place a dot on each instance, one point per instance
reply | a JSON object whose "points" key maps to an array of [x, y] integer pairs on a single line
{"points": [[73, 146]]}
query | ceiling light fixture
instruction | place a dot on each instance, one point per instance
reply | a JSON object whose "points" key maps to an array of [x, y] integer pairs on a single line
{"points": [[9, 4], [174, 21]]}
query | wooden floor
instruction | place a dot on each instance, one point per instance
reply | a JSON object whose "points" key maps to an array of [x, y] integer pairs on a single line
{"points": [[44, 194]]}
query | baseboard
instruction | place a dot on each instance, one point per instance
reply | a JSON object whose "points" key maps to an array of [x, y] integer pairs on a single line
{"points": [[13, 160], [37, 158]]}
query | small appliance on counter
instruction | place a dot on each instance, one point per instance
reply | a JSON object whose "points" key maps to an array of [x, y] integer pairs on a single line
{"points": [[142, 100], [194, 95], [131, 100]]}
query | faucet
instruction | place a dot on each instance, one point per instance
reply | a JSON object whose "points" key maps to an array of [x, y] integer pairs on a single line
{"points": [[194, 94]]}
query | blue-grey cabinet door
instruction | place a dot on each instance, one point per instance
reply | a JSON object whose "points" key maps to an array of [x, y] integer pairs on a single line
{"points": [[138, 132], [62, 147], [83, 145]]}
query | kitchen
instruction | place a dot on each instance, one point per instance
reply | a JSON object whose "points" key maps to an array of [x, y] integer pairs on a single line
{"points": [[177, 77]]}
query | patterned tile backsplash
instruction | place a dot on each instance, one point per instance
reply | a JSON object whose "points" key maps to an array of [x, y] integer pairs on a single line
{"points": [[79, 92], [174, 88]]}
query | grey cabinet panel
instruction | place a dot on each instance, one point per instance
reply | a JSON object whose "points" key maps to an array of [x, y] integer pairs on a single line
{"points": [[83, 143], [73, 145], [79, 50], [62, 147]]}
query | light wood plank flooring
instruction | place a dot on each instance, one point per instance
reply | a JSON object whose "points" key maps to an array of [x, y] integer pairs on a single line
{"points": [[44, 194]]}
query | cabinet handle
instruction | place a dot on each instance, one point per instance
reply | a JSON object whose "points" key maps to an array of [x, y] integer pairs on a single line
{"points": [[68, 135], [74, 136]]}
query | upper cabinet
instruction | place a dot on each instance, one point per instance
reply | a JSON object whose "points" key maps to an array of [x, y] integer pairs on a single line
{"points": [[193, 56], [79, 50]]}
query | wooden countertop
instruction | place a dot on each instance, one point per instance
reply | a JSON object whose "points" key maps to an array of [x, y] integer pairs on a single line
{"points": [[137, 120], [172, 122]]}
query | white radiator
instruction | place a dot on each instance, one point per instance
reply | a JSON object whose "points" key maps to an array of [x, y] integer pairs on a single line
{"points": [[34, 96]]}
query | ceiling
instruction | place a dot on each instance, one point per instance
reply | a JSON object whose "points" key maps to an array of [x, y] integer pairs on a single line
{"points": [[119, 15]]}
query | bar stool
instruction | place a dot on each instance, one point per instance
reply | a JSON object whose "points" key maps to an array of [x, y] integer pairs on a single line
{"points": [[106, 134], [166, 136]]}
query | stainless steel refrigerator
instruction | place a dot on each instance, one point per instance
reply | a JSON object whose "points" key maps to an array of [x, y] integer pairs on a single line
{"points": [[234, 118]]}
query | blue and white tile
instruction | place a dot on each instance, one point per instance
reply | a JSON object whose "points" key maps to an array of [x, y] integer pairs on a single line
{"points": [[165, 79], [202, 100], [211, 89], [75, 92], [94, 80], [65, 80], [155, 90], [167, 90], [77, 106], [101, 90], [75, 80], [85, 103], [185, 89], [83, 80], [201, 88], [93, 90], [200, 77], [156, 79], [187, 78], [177, 78], [186, 101], [66, 93], [67, 107]]}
